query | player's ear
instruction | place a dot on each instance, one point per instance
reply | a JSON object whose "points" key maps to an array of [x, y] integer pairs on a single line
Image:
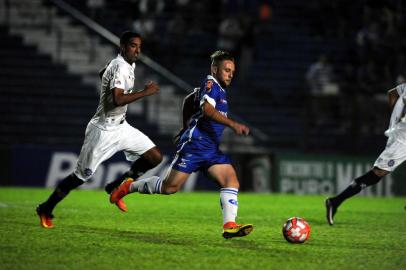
{"points": [[214, 69], [122, 49]]}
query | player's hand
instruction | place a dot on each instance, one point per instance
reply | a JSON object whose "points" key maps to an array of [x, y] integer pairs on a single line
{"points": [[151, 88], [240, 129]]}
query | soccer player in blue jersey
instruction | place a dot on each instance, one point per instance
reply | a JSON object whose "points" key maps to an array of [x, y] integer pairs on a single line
{"points": [[198, 147]]}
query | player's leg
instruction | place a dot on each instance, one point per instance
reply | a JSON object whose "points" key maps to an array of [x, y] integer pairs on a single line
{"points": [[98, 146], [147, 161], [391, 157], [226, 176], [151, 185], [177, 175], [370, 178], [139, 149], [45, 209]]}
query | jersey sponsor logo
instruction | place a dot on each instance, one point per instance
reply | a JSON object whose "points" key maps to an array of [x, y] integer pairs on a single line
{"points": [[232, 201], [391, 163], [183, 163]]}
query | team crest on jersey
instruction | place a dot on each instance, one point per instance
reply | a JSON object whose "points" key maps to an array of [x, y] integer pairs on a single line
{"points": [[209, 85], [118, 82], [391, 163]]}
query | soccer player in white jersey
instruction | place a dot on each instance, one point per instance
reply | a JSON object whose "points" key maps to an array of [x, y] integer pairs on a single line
{"points": [[198, 147], [108, 132], [392, 156]]}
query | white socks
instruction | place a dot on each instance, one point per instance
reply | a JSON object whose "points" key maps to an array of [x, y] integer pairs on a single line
{"points": [[229, 204], [150, 185]]}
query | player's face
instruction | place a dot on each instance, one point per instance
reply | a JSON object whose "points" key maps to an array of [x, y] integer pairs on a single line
{"points": [[132, 50], [224, 72]]}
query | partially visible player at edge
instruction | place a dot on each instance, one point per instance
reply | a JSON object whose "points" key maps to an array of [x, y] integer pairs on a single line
{"points": [[198, 147], [392, 156], [108, 132]]}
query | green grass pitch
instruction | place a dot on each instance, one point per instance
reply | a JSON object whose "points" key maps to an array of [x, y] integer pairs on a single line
{"points": [[183, 231]]}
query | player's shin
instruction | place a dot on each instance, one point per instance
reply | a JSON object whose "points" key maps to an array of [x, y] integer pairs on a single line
{"points": [[60, 192], [138, 168], [150, 185], [229, 204], [355, 187]]}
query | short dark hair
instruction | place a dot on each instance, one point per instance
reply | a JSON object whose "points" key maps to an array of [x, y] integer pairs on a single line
{"points": [[127, 35], [219, 56]]}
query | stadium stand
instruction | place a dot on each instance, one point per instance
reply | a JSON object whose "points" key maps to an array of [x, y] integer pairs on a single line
{"points": [[273, 94], [44, 104]]}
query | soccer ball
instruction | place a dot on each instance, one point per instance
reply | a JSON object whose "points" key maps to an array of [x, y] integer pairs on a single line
{"points": [[296, 230]]}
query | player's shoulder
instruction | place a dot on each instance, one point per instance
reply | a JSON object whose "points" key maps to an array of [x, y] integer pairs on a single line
{"points": [[118, 61], [114, 64], [211, 84], [401, 89]]}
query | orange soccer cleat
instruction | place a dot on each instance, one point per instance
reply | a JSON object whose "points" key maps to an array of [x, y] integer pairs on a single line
{"points": [[232, 229], [118, 193], [121, 205], [45, 220]]}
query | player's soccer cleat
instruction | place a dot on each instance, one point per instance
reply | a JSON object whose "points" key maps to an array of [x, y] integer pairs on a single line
{"points": [[112, 186], [120, 203], [331, 210], [45, 220], [232, 229], [117, 194]]}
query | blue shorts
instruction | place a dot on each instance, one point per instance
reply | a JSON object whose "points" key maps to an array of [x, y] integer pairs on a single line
{"points": [[191, 159]]}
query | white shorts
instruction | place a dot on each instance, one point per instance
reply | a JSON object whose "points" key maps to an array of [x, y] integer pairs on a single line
{"points": [[393, 155], [99, 145]]}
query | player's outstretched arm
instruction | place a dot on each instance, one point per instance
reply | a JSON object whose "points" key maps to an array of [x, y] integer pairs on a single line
{"points": [[211, 112], [121, 99]]}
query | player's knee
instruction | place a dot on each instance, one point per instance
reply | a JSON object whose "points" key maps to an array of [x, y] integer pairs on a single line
{"points": [[153, 157], [156, 159], [369, 179], [379, 172]]}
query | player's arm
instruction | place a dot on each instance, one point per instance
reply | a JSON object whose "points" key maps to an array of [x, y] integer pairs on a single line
{"points": [[392, 97], [121, 99], [210, 112]]}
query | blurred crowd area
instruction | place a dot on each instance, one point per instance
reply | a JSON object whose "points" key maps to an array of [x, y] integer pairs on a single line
{"points": [[312, 75], [371, 31], [367, 60], [371, 61], [164, 24]]}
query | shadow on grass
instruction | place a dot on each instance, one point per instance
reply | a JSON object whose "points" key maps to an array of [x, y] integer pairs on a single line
{"points": [[186, 240]]}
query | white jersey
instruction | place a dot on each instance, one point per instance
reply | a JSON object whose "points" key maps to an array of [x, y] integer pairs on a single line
{"points": [[119, 74], [397, 125], [107, 132]]}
